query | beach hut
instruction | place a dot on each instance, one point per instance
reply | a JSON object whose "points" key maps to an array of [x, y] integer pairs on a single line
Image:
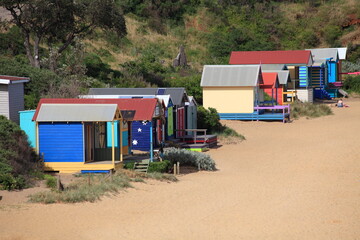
{"points": [[284, 79], [191, 114], [298, 62], [28, 126], [231, 89], [72, 137], [271, 86], [12, 96], [178, 95], [234, 91], [324, 71], [144, 131], [168, 131]]}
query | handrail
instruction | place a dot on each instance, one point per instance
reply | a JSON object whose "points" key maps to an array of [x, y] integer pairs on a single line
{"points": [[276, 107], [195, 133]]}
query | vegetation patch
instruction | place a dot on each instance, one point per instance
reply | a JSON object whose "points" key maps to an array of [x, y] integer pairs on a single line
{"points": [[229, 136], [209, 119], [160, 167], [88, 188], [18, 162], [186, 157], [309, 110]]}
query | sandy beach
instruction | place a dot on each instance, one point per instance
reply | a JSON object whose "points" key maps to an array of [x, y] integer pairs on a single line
{"points": [[299, 180]]}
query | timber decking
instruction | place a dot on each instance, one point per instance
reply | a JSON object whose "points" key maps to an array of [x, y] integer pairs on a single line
{"points": [[259, 114]]}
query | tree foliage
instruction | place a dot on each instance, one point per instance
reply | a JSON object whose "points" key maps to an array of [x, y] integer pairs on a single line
{"points": [[58, 22]]}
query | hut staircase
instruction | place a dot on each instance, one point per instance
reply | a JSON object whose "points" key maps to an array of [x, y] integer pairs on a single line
{"points": [[142, 166]]}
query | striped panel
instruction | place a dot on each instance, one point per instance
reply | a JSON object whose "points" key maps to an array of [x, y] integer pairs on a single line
{"points": [[61, 142], [16, 101], [317, 77], [303, 76], [4, 100], [140, 132]]}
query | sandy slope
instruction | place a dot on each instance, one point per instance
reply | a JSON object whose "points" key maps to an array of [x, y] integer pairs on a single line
{"points": [[286, 181]]}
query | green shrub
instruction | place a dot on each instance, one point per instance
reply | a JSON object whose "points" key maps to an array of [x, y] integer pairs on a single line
{"points": [[352, 84], [161, 167], [50, 181], [10, 182], [186, 157], [129, 165], [310, 110], [18, 161], [208, 119]]}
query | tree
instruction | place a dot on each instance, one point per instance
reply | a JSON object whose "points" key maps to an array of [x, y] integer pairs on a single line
{"points": [[58, 22]]}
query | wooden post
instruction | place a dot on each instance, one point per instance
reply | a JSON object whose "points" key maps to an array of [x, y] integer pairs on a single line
{"points": [[175, 169], [151, 143], [121, 141], [178, 167], [37, 138], [112, 144]]}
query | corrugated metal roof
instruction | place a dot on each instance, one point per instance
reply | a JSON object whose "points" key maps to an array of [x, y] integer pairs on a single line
{"points": [[230, 75], [122, 91], [177, 94], [283, 76], [321, 54], [144, 108], [293, 57], [270, 80], [165, 98], [265, 67], [341, 52], [4, 79], [76, 113]]}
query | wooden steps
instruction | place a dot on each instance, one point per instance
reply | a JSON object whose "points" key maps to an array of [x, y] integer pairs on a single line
{"points": [[142, 166]]}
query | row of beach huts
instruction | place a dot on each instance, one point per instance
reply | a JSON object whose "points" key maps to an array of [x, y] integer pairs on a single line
{"points": [[100, 131]]}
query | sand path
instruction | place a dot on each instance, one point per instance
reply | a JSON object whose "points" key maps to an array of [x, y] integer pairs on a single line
{"points": [[286, 181]]}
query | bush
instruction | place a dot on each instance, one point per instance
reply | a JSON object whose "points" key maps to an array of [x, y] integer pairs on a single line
{"points": [[186, 157], [208, 119], [50, 181], [18, 161], [161, 167], [299, 109], [10, 182], [352, 84]]}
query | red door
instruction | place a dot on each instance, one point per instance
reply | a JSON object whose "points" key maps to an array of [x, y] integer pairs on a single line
{"points": [[158, 131], [180, 123]]}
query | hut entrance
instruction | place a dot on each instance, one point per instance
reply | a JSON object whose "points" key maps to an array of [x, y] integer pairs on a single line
{"points": [[89, 142]]}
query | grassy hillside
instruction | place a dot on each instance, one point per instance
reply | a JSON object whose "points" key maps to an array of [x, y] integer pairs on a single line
{"points": [[209, 31]]}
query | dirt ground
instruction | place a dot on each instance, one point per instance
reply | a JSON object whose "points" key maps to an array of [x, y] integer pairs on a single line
{"points": [[299, 180]]}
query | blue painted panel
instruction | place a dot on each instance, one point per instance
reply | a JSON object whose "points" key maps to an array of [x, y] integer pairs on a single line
{"points": [[61, 142], [109, 134], [303, 76], [332, 72], [125, 136], [140, 133], [28, 126]]}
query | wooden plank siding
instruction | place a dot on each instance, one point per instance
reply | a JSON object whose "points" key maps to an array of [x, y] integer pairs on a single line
{"points": [[61, 142], [16, 101], [4, 100]]}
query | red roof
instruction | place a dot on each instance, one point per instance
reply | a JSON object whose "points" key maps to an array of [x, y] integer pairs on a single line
{"points": [[13, 78], [272, 57], [144, 107], [269, 80]]}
